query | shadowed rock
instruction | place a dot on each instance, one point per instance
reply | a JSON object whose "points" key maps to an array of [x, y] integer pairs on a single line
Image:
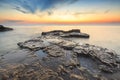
{"points": [[2, 28], [105, 56], [68, 34]]}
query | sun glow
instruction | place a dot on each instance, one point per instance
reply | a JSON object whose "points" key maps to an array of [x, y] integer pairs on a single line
{"points": [[70, 14]]}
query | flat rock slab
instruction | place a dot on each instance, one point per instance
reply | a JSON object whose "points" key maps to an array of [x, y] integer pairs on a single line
{"points": [[33, 44]]}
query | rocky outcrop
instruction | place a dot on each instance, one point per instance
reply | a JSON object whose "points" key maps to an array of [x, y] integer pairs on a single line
{"points": [[2, 28], [103, 55], [67, 34], [63, 59], [34, 44]]}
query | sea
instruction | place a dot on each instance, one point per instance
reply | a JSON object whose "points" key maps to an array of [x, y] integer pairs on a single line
{"points": [[107, 36]]}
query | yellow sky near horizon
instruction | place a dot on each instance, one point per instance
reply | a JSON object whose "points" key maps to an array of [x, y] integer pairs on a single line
{"points": [[64, 15], [60, 18]]}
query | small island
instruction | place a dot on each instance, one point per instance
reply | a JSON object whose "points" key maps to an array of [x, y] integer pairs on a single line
{"points": [[2, 28], [74, 33]]}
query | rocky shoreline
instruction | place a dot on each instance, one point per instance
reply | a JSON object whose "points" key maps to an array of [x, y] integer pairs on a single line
{"points": [[53, 56]]}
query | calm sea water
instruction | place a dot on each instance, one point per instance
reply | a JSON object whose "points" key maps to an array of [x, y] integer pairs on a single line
{"points": [[104, 35]]}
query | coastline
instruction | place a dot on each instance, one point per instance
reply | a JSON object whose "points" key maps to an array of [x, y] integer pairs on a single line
{"points": [[68, 52]]}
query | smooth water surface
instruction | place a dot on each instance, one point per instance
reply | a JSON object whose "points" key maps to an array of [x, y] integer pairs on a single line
{"points": [[105, 35]]}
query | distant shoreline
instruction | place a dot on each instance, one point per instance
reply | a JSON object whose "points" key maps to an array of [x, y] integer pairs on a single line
{"points": [[3, 28]]}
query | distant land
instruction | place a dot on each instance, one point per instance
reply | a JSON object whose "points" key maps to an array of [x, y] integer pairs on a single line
{"points": [[2, 28]]}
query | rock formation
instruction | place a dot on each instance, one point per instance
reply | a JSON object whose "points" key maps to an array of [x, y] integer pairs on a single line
{"points": [[71, 33], [2, 28], [59, 58]]}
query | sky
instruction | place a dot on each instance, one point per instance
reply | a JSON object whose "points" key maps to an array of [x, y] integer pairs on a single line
{"points": [[59, 11]]}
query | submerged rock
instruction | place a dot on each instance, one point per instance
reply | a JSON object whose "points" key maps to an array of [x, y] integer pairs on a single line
{"points": [[34, 71], [2, 28]]}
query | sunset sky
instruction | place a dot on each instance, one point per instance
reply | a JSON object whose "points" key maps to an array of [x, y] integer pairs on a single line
{"points": [[59, 11]]}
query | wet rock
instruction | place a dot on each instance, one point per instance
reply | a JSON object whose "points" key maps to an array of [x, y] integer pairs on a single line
{"points": [[107, 59], [58, 32], [62, 70], [68, 45], [2, 28], [100, 77], [106, 69], [111, 52], [97, 54], [71, 33], [76, 35], [54, 41], [80, 51], [55, 32], [73, 30], [86, 73], [73, 62], [33, 44], [118, 59], [32, 71], [54, 51], [78, 77]]}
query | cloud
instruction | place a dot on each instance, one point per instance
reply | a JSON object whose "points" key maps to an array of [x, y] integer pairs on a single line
{"points": [[21, 10], [107, 11], [12, 21], [79, 13], [91, 12], [31, 6], [76, 14], [50, 12]]}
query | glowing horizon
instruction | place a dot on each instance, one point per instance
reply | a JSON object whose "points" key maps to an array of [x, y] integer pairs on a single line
{"points": [[59, 11]]}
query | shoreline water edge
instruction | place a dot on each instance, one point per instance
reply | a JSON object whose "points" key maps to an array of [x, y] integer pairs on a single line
{"points": [[54, 56]]}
